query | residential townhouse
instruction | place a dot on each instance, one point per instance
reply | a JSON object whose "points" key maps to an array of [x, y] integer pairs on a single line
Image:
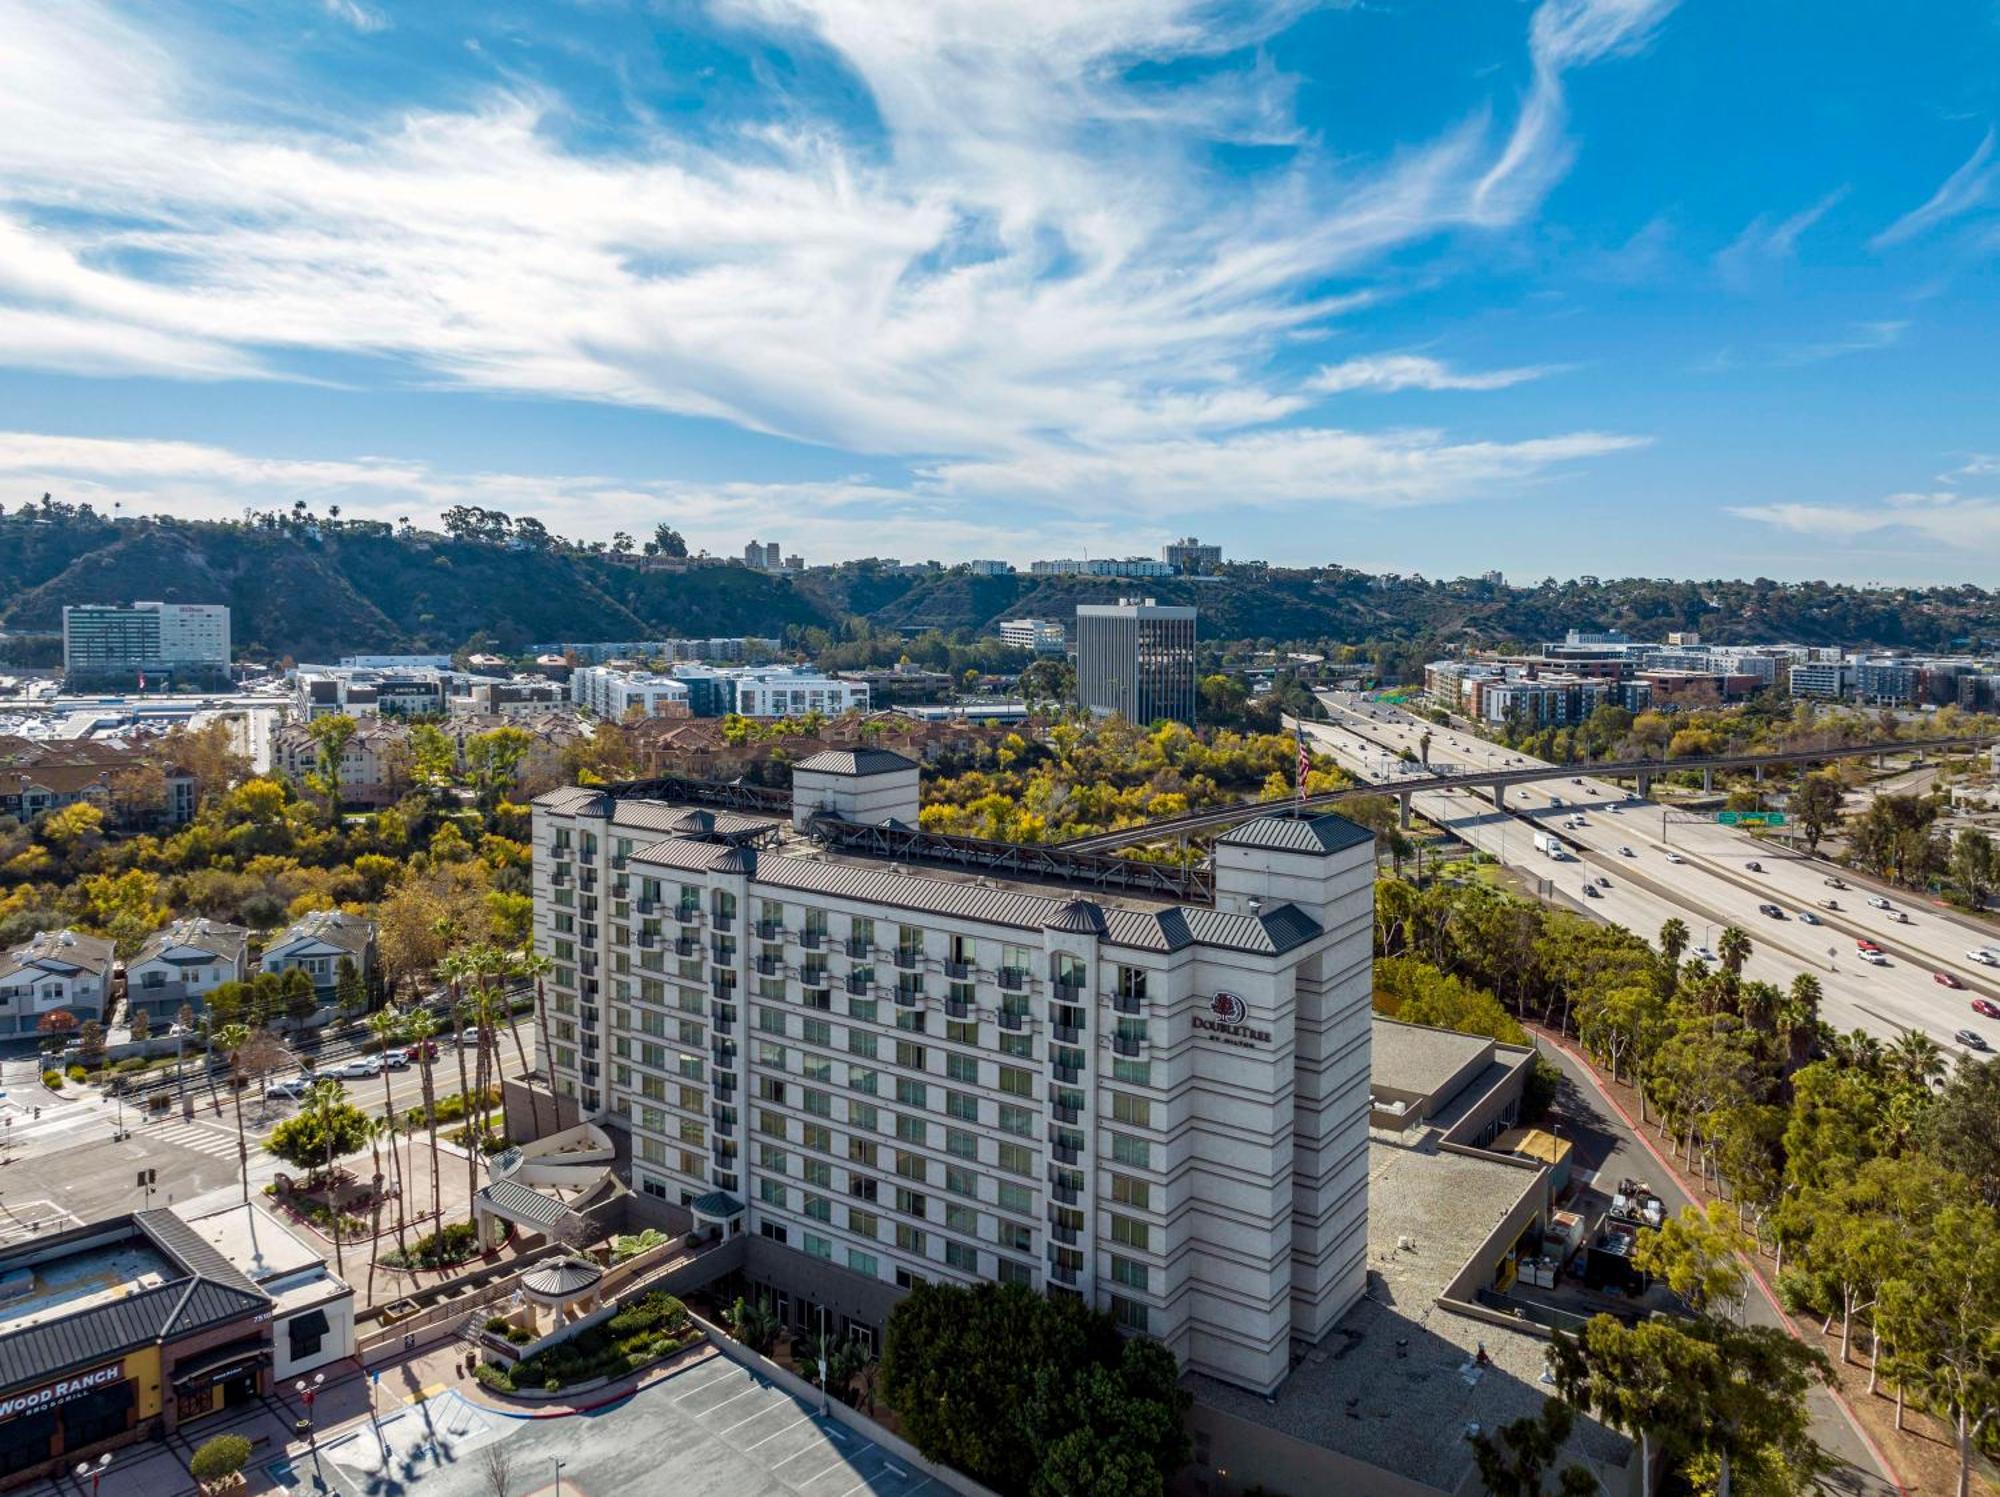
{"points": [[183, 964], [55, 970], [318, 942]]}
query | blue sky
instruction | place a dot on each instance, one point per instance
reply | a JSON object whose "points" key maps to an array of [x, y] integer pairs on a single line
{"points": [[1607, 286]]}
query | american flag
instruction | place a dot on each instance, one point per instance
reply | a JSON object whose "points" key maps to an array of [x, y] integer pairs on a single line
{"points": [[1305, 762]]}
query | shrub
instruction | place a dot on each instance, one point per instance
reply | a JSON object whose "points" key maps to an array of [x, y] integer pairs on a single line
{"points": [[221, 1457], [630, 1246], [78, 1073], [53, 1080], [493, 1375], [499, 1325], [519, 1335], [445, 1248]]}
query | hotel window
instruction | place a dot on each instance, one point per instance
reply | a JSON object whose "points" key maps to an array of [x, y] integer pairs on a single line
{"points": [[817, 1208], [910, 1057], [862, 1187], [862, 1009], [815, 1068], [1015, 1198], [861, 1042], [961, 1182], [862, 1117], [771, 1192], [961, 1031], [1019, 1046], [961, 1219], [816, 1172], [1130, 1314], [1136, 1111], [771, 1020], [1132, 983], [770, 1055], [1016, 1159], [770, 1089], [861, 1151], [816, 1032], [962, 1068], [863, 1263], [1127, 1272], [960, 1144], [1128, 1150], [911, 1166], [911, 1093], [1016, 1238], [1019, 1121], [911, 1202], [911, 1130], [815, 1246], [863, 1080], [816, 1102], [863, 1223], [910, 1020], [962, 1105], [1016, 1082], [1126, 1191], [1132, 1072], [1007, 1271], [962, 1257], [909, 1240], [861, 931], [817, 1137], [773, 1159], [1129, 1233]]}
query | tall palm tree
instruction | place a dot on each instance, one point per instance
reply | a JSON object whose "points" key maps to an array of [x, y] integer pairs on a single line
{"points": [[386, 1025], [1673, 942], [322, 1101], [377, 1127], [455, 967], [1732, 949], [231, 1039], [1916, 1057], [1798, 1015], [533, 964], [421, 1027]]}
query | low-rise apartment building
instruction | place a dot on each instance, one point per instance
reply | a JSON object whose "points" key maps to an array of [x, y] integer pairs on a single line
{"points": [[885, 1069], [319, 942], [55, 970], [615, 695], [183, 964]]}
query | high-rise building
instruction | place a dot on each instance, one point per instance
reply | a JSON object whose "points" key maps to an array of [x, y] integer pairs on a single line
{"points": [[1136, 659], [116, 644], [1190, 557], [878, 1069]]}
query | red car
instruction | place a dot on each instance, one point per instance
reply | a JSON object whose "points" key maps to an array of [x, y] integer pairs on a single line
{"points": [[1864, 944], [1987, 1007], [1947, 979]]}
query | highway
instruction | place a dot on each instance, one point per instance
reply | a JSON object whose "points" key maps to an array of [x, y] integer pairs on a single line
{"points": [[1709, 888]]}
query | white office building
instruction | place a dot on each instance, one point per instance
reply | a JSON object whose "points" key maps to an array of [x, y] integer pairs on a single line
{"points": [[882, 1069], [1043, 636], [154, 644], [616, 694], [791, 691]]}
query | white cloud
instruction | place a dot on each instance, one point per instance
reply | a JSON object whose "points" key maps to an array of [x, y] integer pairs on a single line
{"points": [[1766, 242], [1965, 189], [1035, 256], [1858, 337], [1293, 466], [1948, 519], [1415, 372], [359, 16]]}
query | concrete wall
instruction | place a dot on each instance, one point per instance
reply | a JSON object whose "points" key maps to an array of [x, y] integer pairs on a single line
{"points": [[1234, 1456], [819, 1282], [521, 1113]]}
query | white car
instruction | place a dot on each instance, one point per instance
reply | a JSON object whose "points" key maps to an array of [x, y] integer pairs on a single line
{"points": [[1982, 956], [1626, 852], [1674, 857], [1877, 902], [289, 1090], [1807, 917], [360, 1067], [1703, 954], [1874, 958]]}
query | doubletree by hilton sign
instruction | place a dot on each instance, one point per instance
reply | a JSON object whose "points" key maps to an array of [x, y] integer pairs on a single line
{"points": [[1224, 1020], [49, 1395]]}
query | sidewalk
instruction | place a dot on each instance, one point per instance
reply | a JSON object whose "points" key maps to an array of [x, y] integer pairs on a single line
{"points": [[1865, 1469]]}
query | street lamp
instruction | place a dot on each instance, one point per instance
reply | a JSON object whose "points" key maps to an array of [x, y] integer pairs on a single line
{"points": [[559, 1464], [307, 1392], [94, 1470]]}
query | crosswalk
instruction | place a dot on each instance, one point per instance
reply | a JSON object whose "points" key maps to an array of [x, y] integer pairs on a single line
{"points": [[197, 1136]]}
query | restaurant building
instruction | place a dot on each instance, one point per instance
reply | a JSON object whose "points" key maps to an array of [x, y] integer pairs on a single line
{"points": [[125, 1329]]}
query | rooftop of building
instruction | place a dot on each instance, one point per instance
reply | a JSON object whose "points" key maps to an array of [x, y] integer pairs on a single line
{"points": [[1399, 1380], [203, 937], [55, 950], [857, 762], [267, 1253], [333, 927], [1416, 1059], [103, 1289]]}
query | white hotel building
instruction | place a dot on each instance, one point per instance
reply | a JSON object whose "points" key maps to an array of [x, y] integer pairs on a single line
{"points": [[880, 1071]]}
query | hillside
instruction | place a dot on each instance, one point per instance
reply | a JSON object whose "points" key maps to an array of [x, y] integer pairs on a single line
{"points": [[312, 588]]}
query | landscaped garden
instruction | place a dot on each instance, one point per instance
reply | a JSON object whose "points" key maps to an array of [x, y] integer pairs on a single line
{"points": [[654, 1326], [447, 1247]]}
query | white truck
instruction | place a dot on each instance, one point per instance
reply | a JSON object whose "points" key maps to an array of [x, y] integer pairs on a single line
{"points": [[1550, 843]]}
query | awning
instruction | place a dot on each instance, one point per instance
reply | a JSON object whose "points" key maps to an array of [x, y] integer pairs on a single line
{"points": [[716, 1206], [219, 1364]]}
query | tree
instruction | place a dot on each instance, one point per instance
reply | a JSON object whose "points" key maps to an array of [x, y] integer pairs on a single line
{"points": [[251, 1052], [350, 993], [1975, 865], [420, 1028], [298, 999], [1696, 1254], [55, 1027], [1815, 805], [331, 735], [1674, 938], [493, 763], [1916, 1057], [667, 541], [90, 1041], [1514, 1457], [385, 1026], [219, 1458], [1732, 949], [326, 1127], [1961, 1129], [141, 1024], [752, 1323]]}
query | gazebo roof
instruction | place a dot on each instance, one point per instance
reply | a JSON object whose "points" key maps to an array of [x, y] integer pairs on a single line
{"points": [[563, 1279]]}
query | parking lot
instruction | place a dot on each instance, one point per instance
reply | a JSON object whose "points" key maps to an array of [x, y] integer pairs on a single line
{"points": [[711, 1430]]}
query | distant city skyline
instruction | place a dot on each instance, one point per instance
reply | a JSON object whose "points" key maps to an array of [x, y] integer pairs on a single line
{"points": [[1617, 287]]}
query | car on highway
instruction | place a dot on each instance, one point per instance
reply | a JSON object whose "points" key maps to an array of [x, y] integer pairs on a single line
{"points": [[1703, 954], [1807, 917], [1603, 882], [1590, 891], [1834, 883], [1626, 852], [1772, 910], [358, 1068], [1674, 857], [1864, 945], [1829, 904], [1874, 958], [1877, 902], [1947, 979], [1983, 956], [1972, 1039], [1987, 1007], [1576, 782], [1754, 866]]}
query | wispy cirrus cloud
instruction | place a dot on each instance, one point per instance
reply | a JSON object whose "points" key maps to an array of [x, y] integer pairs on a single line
{"points": [[1970, 187], [1766, 242], [1024, 253], [355, 14], [1856, 337], [1389, 372], [1943, 517]]}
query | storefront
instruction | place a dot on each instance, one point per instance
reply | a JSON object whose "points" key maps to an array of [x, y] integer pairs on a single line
{"points": [[219, 1378], [79, 1411]]}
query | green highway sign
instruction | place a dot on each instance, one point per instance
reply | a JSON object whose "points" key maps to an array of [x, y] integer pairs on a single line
{"points": [[1751, 818]]}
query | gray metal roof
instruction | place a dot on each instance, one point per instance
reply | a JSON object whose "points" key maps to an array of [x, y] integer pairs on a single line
{"points": [[520, 1203], [56, 950], [562, 1278], [738, 860], [351, 933], [214, 938], [1081, 917], [863, 761], [1289, 832], [717, 1203], [683, 854]]}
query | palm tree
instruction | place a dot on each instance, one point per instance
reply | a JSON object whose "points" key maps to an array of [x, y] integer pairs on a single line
{"points": [[1673, 942], [537, 966], [421, 1028], [322, 1101], [1916, 1057], [1858, 1050], [232, 1039], [377, 1129], [386, 1025], [455, 967], [1732, 949], [1798, 1015]]}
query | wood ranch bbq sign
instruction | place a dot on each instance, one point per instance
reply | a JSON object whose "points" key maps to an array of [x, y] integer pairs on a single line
{"points": [[35, 1400], [1225, 1020]]}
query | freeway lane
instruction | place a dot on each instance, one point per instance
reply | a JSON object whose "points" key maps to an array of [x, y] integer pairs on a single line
{"points": [[1646, 889]]}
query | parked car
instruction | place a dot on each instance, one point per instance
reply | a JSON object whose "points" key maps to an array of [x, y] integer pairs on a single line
{"points": [[1987, 1007], [1947, 979], [396, 1060], [1972, 1039], [1807, 917], [358, 1068], [1877, 902]]}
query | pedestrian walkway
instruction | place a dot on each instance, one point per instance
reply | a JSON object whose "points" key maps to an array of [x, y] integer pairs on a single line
{"points": [[201, 1137]]}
